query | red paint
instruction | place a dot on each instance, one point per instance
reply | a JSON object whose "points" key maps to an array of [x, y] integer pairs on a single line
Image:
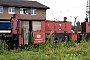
{"points": [[76, 30], [17, 29], [43, 26], [85, 27], [14, 31], [61, 27], [73, 36], [49, 26], [68, 27], [38, 37], [88, 27], [20, 28], [20, 40]]}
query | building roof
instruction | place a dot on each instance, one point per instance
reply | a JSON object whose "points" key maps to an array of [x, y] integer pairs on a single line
{"points": [[23, 3]]}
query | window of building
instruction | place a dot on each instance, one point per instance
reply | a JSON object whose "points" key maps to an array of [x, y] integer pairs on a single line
{"points": [[11, 10], [1, 9], [22, 10], [33, 11]]}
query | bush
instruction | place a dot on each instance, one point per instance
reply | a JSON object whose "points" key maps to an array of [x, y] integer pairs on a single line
{"points": [[3, 46]]}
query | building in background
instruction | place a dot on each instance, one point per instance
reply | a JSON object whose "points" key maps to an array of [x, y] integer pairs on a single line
{"points": [[31, 10], [10, 7]]}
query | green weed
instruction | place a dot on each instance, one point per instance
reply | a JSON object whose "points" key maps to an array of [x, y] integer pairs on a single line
{"points": [[50, 51]]}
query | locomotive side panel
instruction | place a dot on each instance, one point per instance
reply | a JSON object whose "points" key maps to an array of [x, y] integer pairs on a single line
{"points": [[43, 26], [68, 27], [49, 26], [73, 36], [85, 27], [62, 27], [88, 27], [38, 37], [59, 27]]}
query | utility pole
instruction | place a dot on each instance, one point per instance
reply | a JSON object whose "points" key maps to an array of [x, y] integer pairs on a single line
{"points": [[75, 21], [88, 10]]}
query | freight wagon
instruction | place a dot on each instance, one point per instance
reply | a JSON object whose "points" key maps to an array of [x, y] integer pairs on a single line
{"points": [[41, 30]]}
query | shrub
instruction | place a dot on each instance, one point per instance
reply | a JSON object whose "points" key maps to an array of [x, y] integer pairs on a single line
{"points": [[3, 45]]}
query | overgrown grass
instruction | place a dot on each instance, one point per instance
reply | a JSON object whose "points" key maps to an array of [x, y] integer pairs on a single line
{"points": [[3, 46], [50, 51]]}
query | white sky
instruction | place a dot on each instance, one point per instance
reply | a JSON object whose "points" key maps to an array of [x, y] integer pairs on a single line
{"points": [[61, 8]]}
